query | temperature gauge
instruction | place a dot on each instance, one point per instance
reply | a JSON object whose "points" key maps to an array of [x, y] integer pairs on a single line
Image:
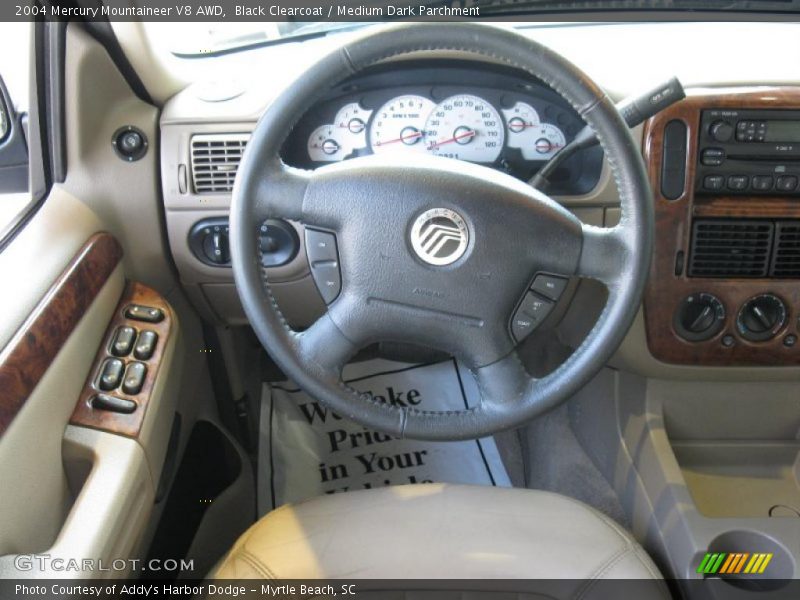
{"points": [[326, 144], [536, 140]]}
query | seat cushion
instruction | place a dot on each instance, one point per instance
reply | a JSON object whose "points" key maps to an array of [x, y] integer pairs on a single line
{"points": [[437, 531]]}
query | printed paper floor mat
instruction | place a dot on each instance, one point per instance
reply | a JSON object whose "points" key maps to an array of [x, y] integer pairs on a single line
{"points": [[305, 450]]}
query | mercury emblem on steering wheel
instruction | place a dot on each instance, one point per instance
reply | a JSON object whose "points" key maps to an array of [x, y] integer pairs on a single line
{"points": [[439, 236]]}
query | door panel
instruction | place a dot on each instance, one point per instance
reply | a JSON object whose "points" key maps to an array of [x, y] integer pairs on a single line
{"points": [[68, 291]]}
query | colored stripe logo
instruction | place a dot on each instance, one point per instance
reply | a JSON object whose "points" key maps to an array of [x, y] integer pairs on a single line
{"points": [[731, 563]]}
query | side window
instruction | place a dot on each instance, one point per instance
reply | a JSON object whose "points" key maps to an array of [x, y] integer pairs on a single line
{"points": [[15, 44]]}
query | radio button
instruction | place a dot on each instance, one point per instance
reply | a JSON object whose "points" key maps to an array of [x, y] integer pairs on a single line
{"points": [[738, 182], [713, 182], [762, 183], [713, 157], [786, 183]]}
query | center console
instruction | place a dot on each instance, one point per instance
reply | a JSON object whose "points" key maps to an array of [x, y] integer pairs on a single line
{"points": [[724, 287]]}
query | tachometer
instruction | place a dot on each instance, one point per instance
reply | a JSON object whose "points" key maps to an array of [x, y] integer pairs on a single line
{"points": [[352, 119], [333, 142], [399, 124], [465, 127]]}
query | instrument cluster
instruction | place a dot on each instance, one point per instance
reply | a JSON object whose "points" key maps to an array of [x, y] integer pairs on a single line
{"points": [[462, 126], [473, 112]]}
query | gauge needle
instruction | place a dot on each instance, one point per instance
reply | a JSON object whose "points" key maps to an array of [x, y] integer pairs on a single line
{"points": [[455, 138], [402, 138]]}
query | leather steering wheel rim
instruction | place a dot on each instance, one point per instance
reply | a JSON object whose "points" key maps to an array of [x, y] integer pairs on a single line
{"points": [[338, 197]]}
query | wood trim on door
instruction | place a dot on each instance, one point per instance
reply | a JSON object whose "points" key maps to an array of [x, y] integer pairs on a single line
{"points": [[27, 356]]}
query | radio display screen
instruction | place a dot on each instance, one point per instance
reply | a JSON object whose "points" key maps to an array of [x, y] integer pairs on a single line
{"points": [[782, 131]]}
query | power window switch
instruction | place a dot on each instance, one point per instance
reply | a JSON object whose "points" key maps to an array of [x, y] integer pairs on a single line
{"points": [[134, 378], [111, 374], [123, 341], [145, 345]]}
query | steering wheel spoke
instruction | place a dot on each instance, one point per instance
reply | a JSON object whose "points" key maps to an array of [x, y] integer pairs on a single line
{"points": [[279, 192], [603, 254], [325, 346], [502, 384]]}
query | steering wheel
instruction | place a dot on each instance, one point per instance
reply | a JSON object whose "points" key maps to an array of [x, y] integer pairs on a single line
{"points": [[433, 251]]}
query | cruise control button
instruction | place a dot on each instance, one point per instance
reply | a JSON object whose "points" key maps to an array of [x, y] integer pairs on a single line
{"points": [[145, 345], [111, 374], [549, 286], [787, 183], [529, 315], [123, 341], [738, 182], [134, 378], [113, 404], [137, 312], [320, 246], [328, 279]]}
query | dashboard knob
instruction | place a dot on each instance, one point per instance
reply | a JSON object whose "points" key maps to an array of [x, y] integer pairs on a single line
{"points": [[761, 318], [699, 317], [721, 131]]}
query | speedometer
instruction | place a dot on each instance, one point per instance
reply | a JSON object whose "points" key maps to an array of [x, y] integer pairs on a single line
{"points": [[465, 127], [399, 124]]}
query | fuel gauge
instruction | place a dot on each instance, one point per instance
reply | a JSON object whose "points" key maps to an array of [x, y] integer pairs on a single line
{"points": [[535, 140]]}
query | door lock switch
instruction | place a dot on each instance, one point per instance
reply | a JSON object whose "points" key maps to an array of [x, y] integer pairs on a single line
{"points": [[113, 404]]}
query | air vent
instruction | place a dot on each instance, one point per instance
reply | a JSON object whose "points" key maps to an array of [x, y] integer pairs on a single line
{"points": [[786, 258], [215, 159], [730, 248]]}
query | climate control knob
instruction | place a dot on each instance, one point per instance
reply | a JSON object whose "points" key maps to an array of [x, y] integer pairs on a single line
{"points": [[761, 318], [699, 317]]}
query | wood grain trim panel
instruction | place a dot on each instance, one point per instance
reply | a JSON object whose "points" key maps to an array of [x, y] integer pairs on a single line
{"points": [[128, 425], [665, 289], [29, 353]]}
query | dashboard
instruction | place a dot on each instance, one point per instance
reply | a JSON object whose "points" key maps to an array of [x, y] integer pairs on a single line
{"points": [[487, 115]]}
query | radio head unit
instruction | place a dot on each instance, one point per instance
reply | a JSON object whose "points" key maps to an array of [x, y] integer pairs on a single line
{"points": [[748, 152]]}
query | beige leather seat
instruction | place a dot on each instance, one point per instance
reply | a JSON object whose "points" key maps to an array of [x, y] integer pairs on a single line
{"points": [[439, 531]]}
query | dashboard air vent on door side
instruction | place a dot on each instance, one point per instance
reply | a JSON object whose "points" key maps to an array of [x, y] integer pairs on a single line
{"points": [[786, 258], [730, 248], [215, 159]]}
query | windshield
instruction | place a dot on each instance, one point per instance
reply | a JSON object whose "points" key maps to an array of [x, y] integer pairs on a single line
{"points": [[199, 39], [210, 39]]}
